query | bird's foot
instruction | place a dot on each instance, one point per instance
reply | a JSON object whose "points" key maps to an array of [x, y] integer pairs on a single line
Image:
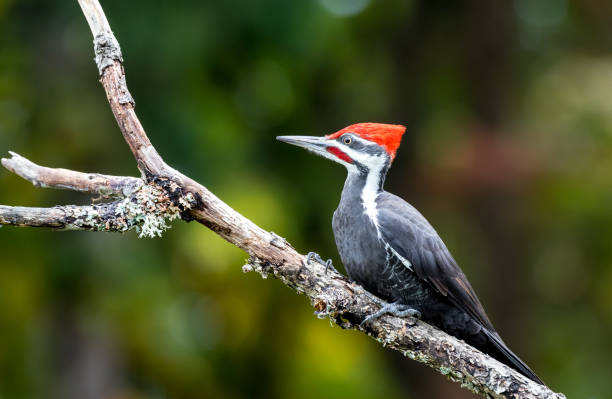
{"points": [[394, 309], [327, 263]]}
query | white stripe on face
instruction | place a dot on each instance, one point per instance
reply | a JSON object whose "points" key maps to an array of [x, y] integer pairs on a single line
{"points": [[374, 165], [373, 162]]}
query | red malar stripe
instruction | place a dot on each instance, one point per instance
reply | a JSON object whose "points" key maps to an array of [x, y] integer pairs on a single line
{"points": [[337, 152]]}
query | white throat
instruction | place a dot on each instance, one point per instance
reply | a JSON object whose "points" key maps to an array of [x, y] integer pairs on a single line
{"points": [[369, 194], [371, 188]]}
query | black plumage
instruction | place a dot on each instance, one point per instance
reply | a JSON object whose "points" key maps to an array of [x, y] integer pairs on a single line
{"points": [[388, 247], [433, 284]]}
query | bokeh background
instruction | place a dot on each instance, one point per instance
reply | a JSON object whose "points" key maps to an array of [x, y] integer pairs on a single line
{"points": [[508, 152]]}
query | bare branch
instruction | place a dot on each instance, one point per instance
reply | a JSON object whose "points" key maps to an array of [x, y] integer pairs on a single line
{"points": [[169, 194], [95, 17], [69, 217], [40, 176], [109, 61], [146, 210]]}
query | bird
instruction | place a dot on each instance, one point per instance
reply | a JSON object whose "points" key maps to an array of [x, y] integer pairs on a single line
{"points": [[388, 247]]}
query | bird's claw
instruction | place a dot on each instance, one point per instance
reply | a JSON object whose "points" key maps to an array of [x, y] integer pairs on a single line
{"points": [[315, 256], [394, 309]]}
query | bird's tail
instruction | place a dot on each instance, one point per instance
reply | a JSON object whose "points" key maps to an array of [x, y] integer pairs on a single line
{"points": [[507, 357]]}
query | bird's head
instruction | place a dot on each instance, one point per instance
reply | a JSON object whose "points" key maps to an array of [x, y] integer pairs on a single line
{"points": [[359, 147]]}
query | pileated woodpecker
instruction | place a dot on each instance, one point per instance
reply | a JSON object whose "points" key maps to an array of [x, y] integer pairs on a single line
{"points": [[389, 248]]}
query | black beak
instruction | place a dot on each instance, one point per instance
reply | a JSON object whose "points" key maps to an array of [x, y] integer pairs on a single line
{"points": [[311, 143]]}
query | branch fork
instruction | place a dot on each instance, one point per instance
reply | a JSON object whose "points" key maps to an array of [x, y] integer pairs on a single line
{"points": [[162, 194]]}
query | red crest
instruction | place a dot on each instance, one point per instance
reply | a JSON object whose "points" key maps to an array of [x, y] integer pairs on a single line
{"points": [[387, 136]]}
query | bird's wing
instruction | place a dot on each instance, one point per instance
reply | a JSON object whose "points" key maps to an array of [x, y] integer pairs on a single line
{"points": [[412, 237]]}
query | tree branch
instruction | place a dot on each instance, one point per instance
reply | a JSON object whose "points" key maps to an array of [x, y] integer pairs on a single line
{"points": [[145, 210], [168, 194], [69, 217], [94, 183], [109, 61]]}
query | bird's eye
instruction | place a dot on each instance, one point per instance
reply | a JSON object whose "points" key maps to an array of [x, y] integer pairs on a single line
{"points": [[347, 140]]}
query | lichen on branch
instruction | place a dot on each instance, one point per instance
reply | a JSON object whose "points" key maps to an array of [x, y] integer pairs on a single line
{"points": [[148, 210]]}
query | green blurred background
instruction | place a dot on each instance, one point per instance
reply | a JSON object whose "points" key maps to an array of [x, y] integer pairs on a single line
{"points": [[508, 153]]}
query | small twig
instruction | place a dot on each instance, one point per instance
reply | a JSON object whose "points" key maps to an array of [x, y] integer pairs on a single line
{"points": [[68, 217], [112, 76], [41, 176], [146, 210]]}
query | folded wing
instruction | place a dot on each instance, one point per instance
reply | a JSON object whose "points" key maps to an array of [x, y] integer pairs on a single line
{"points": [[412, 237]]}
